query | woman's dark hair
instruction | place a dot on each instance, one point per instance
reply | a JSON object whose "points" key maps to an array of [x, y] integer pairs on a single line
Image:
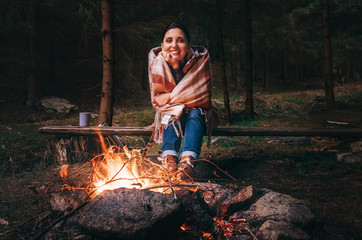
{"points": [[176, 25]]}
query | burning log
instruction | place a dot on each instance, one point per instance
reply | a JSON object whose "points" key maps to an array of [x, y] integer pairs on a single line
{"points": [[214, 193], [238, 201], [198, 213]]}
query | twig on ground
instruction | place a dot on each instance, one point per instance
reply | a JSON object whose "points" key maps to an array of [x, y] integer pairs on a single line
{"points": [[18, 200], [205, 160], [22, 223], [76, 170], [349, 168], [167, 185], [168, 175], [247, 229], [44, 231]]}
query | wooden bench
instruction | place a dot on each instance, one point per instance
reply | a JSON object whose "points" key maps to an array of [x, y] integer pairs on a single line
{"points": [[75, 143], [219, 131]]}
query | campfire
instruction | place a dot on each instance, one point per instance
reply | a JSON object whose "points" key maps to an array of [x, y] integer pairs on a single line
{"points": [[128, 169], [131, 196], [120, 167]]}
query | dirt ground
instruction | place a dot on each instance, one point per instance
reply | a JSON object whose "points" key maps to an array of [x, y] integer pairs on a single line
{"points": [[307, 171], [334, 189]]}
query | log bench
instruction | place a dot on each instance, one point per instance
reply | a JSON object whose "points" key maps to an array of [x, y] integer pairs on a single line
{"points": [[77, 143], [219, 131]]}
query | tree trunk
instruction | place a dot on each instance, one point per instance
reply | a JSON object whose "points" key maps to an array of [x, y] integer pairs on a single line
{"points": [[52, 61], [266, 70], [241, 69], [348, 71], [285, 67], [31, 82], [233, 71], [249, 105], [298, 67], [234, 65], [222, 59], [327, 69], [106, 105], [296, 79]]}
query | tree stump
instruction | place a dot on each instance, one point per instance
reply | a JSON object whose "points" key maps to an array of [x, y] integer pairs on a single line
{"points": [[66, 150]]}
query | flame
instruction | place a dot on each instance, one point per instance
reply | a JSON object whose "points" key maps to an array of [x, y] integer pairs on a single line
{"points": [[123, 168], [117, 170]]}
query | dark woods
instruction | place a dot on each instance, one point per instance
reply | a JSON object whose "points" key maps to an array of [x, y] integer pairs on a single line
{"points": [[55, 47]]}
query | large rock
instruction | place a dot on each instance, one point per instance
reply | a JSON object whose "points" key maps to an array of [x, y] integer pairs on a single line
{"points": [[132, 214], [350, 157], [352, 152], [55, 105], [279, 207], [67, 201], [356, 147], [278, 230]]}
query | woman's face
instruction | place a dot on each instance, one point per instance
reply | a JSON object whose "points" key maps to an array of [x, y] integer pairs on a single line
{"points": [[175, 42]]}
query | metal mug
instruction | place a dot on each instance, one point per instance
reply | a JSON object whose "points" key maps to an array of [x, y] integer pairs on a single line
{"points": [[84, 119]]}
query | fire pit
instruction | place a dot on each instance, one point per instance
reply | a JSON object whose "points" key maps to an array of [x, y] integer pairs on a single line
{"points": [[130, 196]]}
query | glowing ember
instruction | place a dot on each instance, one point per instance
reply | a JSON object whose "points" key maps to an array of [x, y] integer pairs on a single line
{"points": [[185, 227], [207, 235], [231, 226]]}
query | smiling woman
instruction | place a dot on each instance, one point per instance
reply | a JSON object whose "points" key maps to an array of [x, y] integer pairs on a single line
{"points": [[180, 83], [175, 46]]}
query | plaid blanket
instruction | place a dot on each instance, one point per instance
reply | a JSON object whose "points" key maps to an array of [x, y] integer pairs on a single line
{"points": [[193, 91]]}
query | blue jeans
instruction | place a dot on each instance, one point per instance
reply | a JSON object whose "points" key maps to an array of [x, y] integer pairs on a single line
{"points": [[193, 127]]}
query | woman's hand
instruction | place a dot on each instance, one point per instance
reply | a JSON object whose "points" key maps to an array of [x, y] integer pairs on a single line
{"points": [[168, 57], [161, 99]]}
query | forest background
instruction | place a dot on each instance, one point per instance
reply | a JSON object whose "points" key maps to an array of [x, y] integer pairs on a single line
{"points": [[58, 43]]}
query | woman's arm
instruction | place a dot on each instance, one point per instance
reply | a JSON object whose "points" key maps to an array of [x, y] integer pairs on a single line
{"points": [[161, 99]]}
